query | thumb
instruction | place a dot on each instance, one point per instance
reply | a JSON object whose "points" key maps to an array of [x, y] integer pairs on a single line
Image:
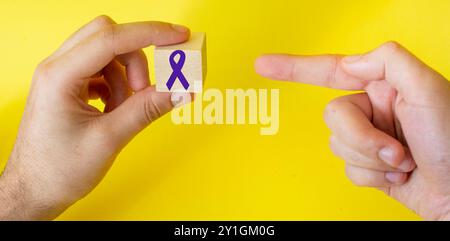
{"points": [[140, 110]]}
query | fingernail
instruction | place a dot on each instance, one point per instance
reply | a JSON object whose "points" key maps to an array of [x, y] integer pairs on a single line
{"points": [[352, 58], [387, 155], [406, 165], [395, 177], [180, 28], [180, 98]]}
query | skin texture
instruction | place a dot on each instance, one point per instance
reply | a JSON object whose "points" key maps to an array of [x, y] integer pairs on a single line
{"points": [[394, 135], [65, 146]]}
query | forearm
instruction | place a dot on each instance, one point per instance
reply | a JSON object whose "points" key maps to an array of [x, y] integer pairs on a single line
{"points": [[18, 201], [446, 217], [11, 199]]}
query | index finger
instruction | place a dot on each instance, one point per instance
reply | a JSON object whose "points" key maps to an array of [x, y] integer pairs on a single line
{"points": [[94, 52], [322, 70]]}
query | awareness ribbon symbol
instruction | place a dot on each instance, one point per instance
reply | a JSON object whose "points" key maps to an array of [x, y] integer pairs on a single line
{"points": [[176, 70]]}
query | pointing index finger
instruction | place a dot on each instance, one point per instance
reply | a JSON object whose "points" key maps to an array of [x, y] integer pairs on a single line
{"points": [[323, 70]]}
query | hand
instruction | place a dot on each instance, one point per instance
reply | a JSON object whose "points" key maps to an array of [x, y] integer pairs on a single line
{"points": [[395, 135], [64, 145]]}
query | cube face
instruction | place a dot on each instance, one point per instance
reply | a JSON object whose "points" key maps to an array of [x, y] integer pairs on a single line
{"points": [[180, 66], [191, 70]]}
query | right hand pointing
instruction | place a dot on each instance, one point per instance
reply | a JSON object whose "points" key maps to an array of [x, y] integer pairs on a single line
{"points": [[395, 135]]}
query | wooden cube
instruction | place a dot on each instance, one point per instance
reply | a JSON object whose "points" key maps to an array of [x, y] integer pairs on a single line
{"points": [[181, 67]]}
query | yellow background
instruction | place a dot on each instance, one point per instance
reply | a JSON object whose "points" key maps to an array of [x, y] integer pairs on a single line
{"points": [[229, 172]]}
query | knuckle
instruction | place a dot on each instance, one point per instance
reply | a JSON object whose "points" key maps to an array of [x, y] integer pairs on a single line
{"points": [[391, 47], [44, 71], [331, 108], [355, 179], [339, 150], [39, 70], [103, 20], [108, 33], [334, 104]]}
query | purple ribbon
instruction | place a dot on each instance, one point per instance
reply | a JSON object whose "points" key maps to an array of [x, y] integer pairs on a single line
{"points": [[176, 70]]}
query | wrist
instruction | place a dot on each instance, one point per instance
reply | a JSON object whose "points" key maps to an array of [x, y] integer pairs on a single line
{"points": [[444, 211], [446, 216], [20, 201], [11, 199]]}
